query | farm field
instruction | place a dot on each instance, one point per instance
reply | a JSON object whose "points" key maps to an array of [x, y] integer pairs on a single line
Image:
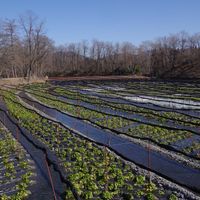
{"points": [[117, 140]]}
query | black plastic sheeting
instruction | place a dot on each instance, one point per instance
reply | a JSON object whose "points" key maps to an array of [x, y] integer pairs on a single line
{"points": [[186, 142], [151, 106], [104, 84], [110, 99], [125, 114], [42, 190], [128, 115], [160, 164], [163, 99], [170, 125], [179, 145]]}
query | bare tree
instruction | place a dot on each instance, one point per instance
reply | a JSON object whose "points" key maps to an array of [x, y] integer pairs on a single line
{"points": [[25, 50], [35, 43]]}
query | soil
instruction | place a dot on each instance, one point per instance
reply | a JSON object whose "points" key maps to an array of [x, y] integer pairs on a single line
{"points": [[82, 78], [18, 81]]}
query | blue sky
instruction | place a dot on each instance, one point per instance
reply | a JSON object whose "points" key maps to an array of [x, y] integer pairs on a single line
{"points": [[109, 20]]}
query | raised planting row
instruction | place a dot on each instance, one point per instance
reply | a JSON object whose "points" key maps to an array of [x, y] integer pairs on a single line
{"points": [[159, 135], [193, 149], [94, 171], [163, 87], [187, 92], [157, 100], [172, 95], [162, 117], [16, 168]]}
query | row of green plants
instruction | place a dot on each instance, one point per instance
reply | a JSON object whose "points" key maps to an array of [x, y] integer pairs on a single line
{"points": [[194, 149], [159, 89], [160, 135], [94, 171], [183, 96], [162, 117], [157, 134], [160, 86], [153, 86], [15, 168], [35, 86]]}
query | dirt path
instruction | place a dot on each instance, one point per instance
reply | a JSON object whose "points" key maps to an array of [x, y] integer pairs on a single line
{"points": [[17, 81], [81, 78]]}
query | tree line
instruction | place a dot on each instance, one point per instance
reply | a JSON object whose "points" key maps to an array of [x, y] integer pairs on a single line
{"points": [[26, 51]]}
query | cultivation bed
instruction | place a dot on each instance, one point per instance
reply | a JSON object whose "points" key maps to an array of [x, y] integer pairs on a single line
{"points": [[42, 189], [161, 136], [159, 163], [88, 142], [113, 94], [148, 117], [132, 180], [17, 169]]}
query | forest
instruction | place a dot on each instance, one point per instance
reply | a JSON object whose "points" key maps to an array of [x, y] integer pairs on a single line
{"points": [[26, 51]]}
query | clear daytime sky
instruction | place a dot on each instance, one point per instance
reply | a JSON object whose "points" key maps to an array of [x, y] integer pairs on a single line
{"points": [[108, 20]]}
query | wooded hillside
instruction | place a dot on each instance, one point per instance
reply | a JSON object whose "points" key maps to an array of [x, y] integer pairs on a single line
{"points": [[26, 50]]}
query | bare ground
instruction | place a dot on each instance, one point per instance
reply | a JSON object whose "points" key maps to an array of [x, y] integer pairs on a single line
{"points": [[18, 81], [78, 78]]}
